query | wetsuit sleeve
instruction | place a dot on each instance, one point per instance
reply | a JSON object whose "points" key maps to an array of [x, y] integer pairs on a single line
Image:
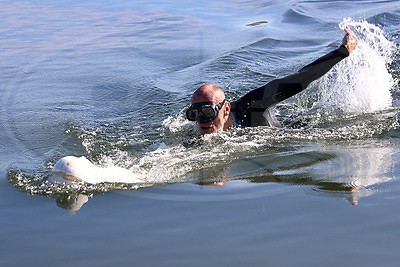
{"points": [[249, 109]]}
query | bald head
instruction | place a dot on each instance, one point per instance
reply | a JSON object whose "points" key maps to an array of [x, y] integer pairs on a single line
{"points": [[214, 94], [208, 92]]}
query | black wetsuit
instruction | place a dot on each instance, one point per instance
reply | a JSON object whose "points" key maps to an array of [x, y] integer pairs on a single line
{"points": [[248, 111]]}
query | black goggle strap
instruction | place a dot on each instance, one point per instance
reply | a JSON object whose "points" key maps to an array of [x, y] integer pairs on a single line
{"points": [[219, 106]]}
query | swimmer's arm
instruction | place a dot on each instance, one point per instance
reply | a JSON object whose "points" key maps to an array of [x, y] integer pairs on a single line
{"points": [[257, 101], [280, 89], [295, 83]]}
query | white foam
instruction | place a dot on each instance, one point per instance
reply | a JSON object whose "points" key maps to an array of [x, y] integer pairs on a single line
{"points": [[177, 124], [360, 83]]}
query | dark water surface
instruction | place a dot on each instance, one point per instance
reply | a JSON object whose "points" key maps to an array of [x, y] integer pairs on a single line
{"points": [[110, 80]]}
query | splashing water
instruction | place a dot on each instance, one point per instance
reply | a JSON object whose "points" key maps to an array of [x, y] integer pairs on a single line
{"points": [[360, 83]]}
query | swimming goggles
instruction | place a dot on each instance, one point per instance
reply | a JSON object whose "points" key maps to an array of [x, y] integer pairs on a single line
{"points": [[203, 112]]}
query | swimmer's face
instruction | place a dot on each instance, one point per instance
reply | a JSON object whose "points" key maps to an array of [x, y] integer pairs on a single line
{"points": [[209, 109], [217, 124]]}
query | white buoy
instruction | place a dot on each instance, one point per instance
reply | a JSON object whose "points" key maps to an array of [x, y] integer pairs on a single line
{"points": [[80, 169]]}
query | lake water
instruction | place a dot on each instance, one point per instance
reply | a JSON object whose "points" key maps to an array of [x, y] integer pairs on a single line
{"points": [[110, 80]]}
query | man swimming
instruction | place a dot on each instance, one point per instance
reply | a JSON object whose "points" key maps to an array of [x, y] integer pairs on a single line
{"points": [[212, 112]]}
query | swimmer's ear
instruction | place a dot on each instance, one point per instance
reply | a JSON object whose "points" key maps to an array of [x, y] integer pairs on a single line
{"points": [[227, 109]]}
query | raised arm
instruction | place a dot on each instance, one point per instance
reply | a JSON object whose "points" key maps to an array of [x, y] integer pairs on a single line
{"points": [[249, 109]]}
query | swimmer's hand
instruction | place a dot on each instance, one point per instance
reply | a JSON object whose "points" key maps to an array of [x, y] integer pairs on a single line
{"points": [[350, 40]]}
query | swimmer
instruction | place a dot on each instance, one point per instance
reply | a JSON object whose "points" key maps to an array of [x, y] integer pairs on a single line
{"points": [[212, 112]]}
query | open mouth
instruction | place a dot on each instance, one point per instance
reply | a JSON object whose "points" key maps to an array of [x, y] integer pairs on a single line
{"points": [[207, 128]]}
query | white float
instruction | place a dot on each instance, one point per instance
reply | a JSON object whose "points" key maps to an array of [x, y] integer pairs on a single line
{"points": [[80, 169]]}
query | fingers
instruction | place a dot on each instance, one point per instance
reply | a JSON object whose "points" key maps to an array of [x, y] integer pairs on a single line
{"points": [[349, 33], [350, 40]]}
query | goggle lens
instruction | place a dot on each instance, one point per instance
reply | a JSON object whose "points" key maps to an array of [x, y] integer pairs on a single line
{"points": [[208, 112], [192, 114]]}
